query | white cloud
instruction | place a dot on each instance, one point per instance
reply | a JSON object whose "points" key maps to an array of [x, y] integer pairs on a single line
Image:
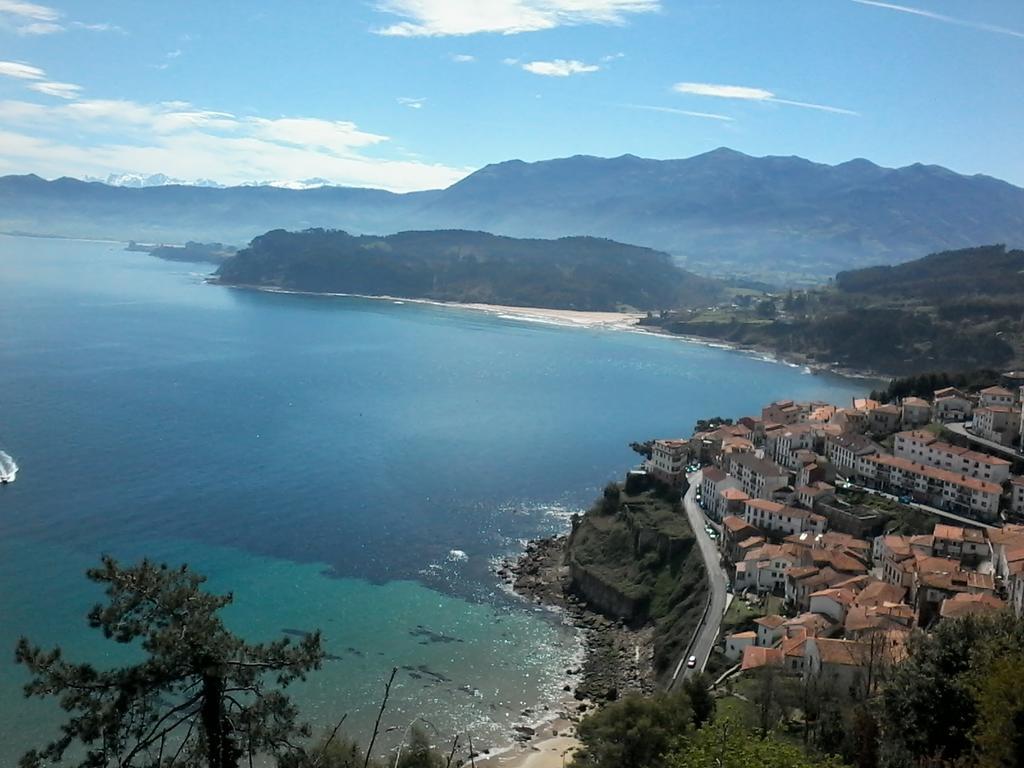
{"points": [[20, 71], [559, 67], [943, 18], [462, 58], [435, 18], [613, 57], [684, 112], [96, 137], [411, 103], [34, 19], [746, 93], [510, 61], [40, 28], [99, 27], [60, 90], [25, 10]]}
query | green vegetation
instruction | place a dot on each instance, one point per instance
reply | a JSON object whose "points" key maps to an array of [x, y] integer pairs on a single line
{"points": [[956, 700], [634, 557], [199, 696], [925, 384], [214, 253], [900, 518], [660, 732], [956, 311], [634, 731], [583, 273], [724, 744]]}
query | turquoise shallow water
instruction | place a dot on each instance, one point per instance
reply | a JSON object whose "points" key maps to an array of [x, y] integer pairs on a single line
{"points": [[324, 459]]}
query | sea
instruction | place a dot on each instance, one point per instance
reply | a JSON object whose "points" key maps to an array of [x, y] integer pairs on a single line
{"points": [[350, 465]]}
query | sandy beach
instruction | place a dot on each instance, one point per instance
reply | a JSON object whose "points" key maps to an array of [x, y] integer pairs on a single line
{"points": [[544, 750], [566, 317]]}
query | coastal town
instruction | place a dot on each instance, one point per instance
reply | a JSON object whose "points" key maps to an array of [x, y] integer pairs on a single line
{"points": [[841, 530]]}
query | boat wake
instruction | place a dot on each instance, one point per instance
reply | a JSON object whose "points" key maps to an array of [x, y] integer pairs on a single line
{"points": [[8, 468]]}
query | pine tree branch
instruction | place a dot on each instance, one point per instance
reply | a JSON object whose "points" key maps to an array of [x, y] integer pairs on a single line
{"points": [[380, 714]]}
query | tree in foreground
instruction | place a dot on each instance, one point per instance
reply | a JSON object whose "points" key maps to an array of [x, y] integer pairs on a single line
{"points": [[202, 696], [724, 744], [634, 731]]}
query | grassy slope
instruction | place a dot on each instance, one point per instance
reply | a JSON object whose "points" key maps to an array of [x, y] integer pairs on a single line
{"points": [[668, 580]]}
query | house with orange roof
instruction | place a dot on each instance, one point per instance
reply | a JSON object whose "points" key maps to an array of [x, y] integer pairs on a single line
{"points": [[815, 493], [1017, 495], [734, 531], [737, 642], [862, 621], [998, 423], [844, 450], [996, 396], [770, 629], [714, 482], [756, 657], [759, 478], [926, 448], [833, 603], [780, 519], [968, 545], [885, 419], [915, 412], [937, 578], [950, 404], [941, 488], [967, 604], [764, 568], [668, 461], [854, 665]]}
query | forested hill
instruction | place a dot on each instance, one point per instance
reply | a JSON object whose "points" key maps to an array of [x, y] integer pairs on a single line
{"points": [[953, 311], [983, 272], [583, 273]]}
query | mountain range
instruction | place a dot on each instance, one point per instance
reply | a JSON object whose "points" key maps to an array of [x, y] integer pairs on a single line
{"points": [[723, 212]]}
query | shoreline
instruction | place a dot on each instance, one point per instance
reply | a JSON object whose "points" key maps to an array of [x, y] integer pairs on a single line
{"points": [[573, 318], [617, 660], [565, 317]]}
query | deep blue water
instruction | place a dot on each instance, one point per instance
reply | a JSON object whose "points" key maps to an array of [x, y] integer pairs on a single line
{"points": [[322, 458]]}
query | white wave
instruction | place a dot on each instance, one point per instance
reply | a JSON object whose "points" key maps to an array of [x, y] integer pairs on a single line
{"points": [[457, 556], [8, 468]]}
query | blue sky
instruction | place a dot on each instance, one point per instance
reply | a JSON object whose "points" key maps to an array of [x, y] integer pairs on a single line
{"points": [[413, 94]]}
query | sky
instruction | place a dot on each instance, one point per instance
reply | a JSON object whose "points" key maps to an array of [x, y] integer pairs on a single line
{"points": [[416, 94]]}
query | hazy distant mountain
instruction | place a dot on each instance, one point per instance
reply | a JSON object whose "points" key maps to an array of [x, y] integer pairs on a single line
{"points": [[583, 273], [719, 212], [137, 180]]}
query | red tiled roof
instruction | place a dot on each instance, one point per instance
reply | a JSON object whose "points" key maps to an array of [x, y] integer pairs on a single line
{"points": [[755, 657]]}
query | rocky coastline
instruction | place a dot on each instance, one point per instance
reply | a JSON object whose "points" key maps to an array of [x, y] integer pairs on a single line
{"points": [[618, 659]]}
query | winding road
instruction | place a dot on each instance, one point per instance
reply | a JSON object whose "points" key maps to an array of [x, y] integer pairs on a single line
{"points": [[707, 633]]}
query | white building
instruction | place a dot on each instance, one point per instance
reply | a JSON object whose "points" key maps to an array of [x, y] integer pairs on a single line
{"points": [[668, 461], [778, 518], [844, 450], [998, 423], [758, 478], [996, 396], [1017, 495], [916, 412], [952, 491], [952, 405], [925, 448]]}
